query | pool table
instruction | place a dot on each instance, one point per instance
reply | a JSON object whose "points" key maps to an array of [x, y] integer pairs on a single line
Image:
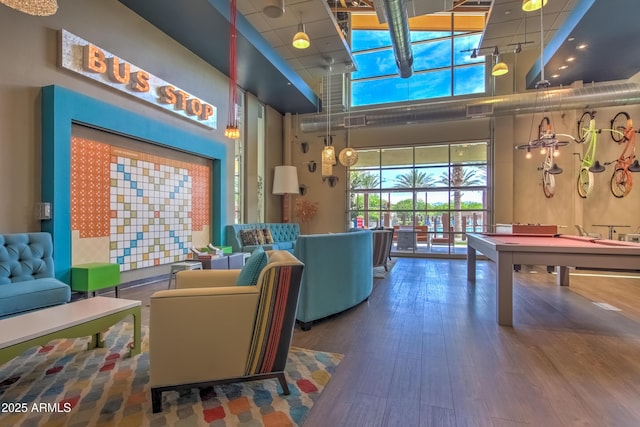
{"points": [[564, 251]]}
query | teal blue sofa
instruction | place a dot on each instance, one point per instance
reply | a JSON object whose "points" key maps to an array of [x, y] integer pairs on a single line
{"points": [[27, 279], [284, 236], [338, 273]]}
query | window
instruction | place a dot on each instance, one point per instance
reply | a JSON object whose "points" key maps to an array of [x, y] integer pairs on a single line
{"points": [[432, 195], [442, 63]]}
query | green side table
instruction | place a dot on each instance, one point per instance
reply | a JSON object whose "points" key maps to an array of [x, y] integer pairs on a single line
{"points": [[95, 276]]}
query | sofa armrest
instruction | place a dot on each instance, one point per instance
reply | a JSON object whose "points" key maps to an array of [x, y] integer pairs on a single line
{"points": [[206, 278], [200, 333]]}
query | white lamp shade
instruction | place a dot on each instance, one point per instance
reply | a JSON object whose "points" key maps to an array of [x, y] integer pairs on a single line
{"points": [[285, 180]]}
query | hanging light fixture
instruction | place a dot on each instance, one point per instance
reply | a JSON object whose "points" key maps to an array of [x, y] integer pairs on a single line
{"points": [[232, 130], [348, 156], [301, 39], [329, 151], [33, 7], [500, 69], [531, 5]]}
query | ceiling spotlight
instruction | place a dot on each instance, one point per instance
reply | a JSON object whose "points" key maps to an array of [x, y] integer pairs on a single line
{"points": [[531, 5], [273, 8]]}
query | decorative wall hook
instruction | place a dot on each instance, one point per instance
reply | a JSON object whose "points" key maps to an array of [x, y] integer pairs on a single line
{"points": [[312, 166], [333, 180], [304, 146], [303, 189]]}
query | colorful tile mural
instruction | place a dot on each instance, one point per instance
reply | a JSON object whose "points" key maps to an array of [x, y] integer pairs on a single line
{"points": [[147, 205]]}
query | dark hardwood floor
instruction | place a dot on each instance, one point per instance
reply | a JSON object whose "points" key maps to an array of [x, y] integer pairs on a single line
{"points": [[425, 350]]}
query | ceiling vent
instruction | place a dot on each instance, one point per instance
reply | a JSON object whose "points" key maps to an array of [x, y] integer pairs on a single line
{"points": [[479, 110], [355, 121]]}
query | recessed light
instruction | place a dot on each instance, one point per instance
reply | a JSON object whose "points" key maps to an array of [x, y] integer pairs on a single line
{"points": [[582, 46], [571, 59], [570, 39], [555, 76], [563, 67]]}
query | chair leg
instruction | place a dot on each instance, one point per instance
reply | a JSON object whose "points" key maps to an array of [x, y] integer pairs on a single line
{"points": [[283, 383], [156, 400]]}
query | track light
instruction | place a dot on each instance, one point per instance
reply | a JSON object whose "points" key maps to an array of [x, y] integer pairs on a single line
{"points": [[518, 48], [531, 5], [474, 53]]}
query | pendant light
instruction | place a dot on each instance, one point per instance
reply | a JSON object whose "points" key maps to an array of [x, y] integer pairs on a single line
{"points": [[531, 5], [501, 68], [348, 156], [301, 39]]}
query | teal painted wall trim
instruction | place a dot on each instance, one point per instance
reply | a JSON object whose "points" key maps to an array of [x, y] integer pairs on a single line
{"points": [[61, 108]]}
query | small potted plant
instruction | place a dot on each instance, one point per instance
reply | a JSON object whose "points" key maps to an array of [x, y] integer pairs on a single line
{"points": [[305, 211]]}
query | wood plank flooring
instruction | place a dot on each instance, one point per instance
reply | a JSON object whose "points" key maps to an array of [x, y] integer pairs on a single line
{"points": [[425, 350]]}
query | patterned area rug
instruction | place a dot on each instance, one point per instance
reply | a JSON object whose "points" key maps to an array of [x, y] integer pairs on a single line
{"points": [[63, 384], [380, 272]]}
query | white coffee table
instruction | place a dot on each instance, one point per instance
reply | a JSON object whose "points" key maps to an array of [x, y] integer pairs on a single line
{"points": [[87, 317]]}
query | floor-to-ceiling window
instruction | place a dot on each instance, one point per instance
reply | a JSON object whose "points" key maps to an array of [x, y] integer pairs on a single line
{"points": [[431, 195], [443, 65]]}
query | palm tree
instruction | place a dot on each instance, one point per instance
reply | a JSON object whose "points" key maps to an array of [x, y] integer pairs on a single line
{"points": [[414, 179], [364, 181], [461, 177]]}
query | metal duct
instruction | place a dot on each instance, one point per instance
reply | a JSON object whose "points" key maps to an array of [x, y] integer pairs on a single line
{"points": [[398, 21], [588, 97]]}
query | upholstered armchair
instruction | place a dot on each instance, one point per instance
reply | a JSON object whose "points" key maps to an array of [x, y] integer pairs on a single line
{"points": [[208, 330], [382, 241]]}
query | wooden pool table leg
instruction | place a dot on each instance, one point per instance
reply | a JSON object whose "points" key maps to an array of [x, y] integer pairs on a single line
{"points": [[563, 276], [504, 288], [471, 264]]}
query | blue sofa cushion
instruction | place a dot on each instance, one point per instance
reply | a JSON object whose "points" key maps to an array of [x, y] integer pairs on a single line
{"points": [[252, 268], [285, 246], [31, 295]]}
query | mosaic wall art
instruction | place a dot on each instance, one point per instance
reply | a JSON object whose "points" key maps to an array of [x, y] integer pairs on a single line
{"points": [[148, 206]]}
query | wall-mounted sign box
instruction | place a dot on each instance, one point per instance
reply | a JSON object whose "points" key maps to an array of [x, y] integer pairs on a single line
{"points": [[83, 57]]}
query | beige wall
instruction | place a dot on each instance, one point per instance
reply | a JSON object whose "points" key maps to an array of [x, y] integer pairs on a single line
{"points": [[29, 48]]}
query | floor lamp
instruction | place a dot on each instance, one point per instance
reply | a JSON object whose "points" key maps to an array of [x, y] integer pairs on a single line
{"points": [[285, 182]]}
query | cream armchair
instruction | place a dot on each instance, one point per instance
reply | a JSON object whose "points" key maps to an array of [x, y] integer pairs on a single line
{"points": [[209, 331]]}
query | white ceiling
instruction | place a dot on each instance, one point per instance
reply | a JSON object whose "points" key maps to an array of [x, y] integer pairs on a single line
{"points": [[508, 24], [327, 41]]}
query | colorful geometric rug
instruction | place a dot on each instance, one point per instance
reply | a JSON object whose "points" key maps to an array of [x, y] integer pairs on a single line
{"points": [[63, 384]]}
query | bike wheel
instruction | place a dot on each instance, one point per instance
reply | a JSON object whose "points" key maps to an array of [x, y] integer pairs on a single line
{"points": [[548, 184], [619, 123], [583, 126], [585, 182], [620, 185]]}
